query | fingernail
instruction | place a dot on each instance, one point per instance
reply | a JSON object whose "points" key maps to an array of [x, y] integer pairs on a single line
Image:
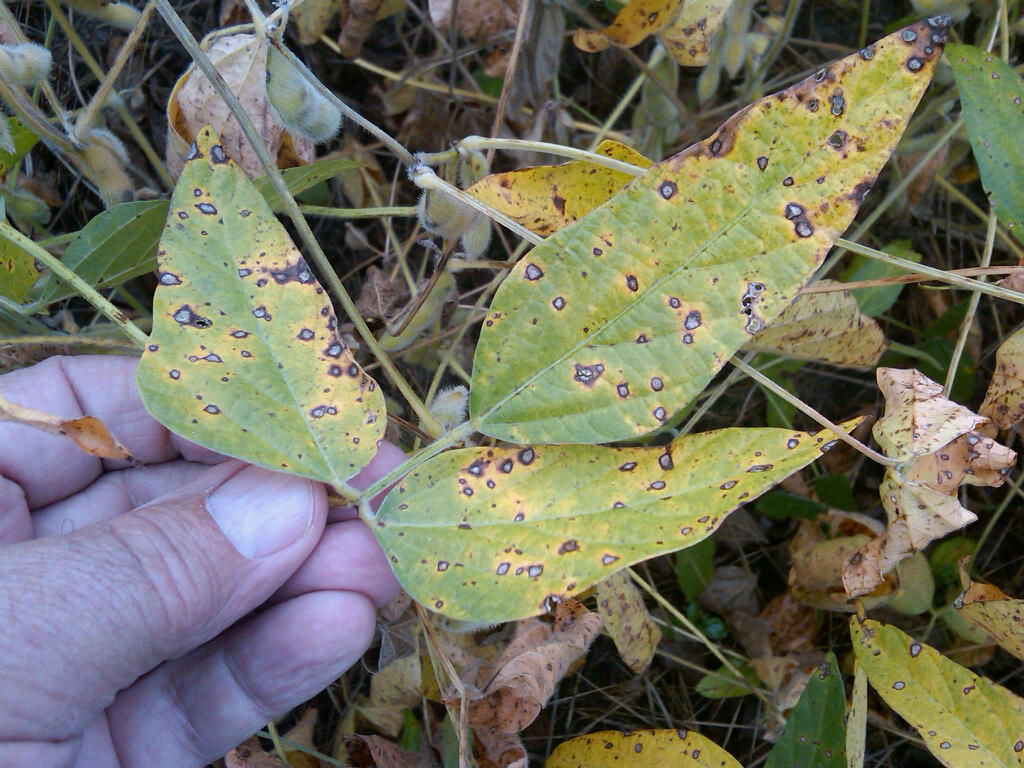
{"points": [[261, 511]]}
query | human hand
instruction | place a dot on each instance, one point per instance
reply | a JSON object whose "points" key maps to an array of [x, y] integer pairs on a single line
{"points": [[128, 597]]}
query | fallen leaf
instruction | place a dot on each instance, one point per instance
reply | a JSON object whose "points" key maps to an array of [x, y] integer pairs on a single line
{"points": [[631, 25], [193, 104], [494, 749], [546, 198], [311, 18], [536, 659], [823, 326], [378, 752], [627, 620], [665, 748], [250, 754], [476, 20], [996, 613], [393, 689], [963, 719], [688, 36], [1004, 400], [357, 24], [301, 734], [87, 432]]}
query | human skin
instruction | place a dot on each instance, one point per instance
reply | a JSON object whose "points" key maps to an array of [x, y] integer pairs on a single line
{"points": [[158, 615]]}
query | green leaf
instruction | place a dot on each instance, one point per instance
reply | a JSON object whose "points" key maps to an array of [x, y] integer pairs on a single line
{"points": [[991, 93], [964, 719], [694, 566], [245, 356], [118, 244], [815, 734], [610, 326], [876, 301], [24, 139], [303, 177], [531, 524], [782, 504], [17, 271], [835, 491], [722, 684]]}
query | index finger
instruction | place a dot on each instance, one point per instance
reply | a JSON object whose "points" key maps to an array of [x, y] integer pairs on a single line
{"points": [[49, 468]]}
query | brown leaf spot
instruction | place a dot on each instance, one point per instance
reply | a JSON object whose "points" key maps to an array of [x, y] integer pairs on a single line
{"points": [[587, 375]]}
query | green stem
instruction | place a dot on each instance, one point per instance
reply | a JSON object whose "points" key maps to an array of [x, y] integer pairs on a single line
{"points": [[967, 283], [527, 145], [427, 421], [89, 293], [972, 308], [357, 213]]}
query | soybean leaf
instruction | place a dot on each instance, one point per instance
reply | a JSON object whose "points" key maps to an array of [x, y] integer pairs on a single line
{"points": [[667, 748], [876, 301], [610, 326], [17, 270], [302, 177], [245, 356], [23, 138], [530, 524], [116, 245], [964, 719], [991, 93], [815, 734]]}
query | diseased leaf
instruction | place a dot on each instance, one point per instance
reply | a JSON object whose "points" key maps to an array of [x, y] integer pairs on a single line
{"points": [[23, 138], [115, 246], [631, 25], [857, 718], [688, 36], [627, 621], [1004, 400], [665, 748], [17, 270], [964, 719], [535, 523], [393, 689], [722, 684], [547, 198], [815, 734], [991, 93], [999, 615], [245, 356], [608, 328], [823, 326], [87, 432]]}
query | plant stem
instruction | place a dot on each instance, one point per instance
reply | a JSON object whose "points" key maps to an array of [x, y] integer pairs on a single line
{"points": [[972, 308], [800, 405], [527, 145]]}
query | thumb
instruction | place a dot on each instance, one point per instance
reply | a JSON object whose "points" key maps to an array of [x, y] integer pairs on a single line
{"points": [[94, 610]]}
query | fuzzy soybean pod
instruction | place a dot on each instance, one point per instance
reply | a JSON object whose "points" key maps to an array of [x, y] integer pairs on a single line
{"points": [[301, 107], [25, 64]]}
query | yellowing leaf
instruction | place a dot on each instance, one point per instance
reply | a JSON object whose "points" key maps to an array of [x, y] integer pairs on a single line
{"points": [[532, 524], [964, 719], [857, 718], [918, 418], [245, 356], [627, 621], [194, 104], [546, 198], [631, 25], [1004, 400], [688, 36], [87, 432], [665, 281], [393, 689], [998, 614], [536, 659], [823, 326], [920, 495], [665, 748]]}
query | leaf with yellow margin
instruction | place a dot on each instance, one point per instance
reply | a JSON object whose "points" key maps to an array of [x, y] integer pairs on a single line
{"points": [[964, 719], [1004, 400], [491, 534], [988, 608], [627, 620], [631, 25], [823, 326], [245, 356], [547, 198], [688, 36], [609, 327], [665, 748]]}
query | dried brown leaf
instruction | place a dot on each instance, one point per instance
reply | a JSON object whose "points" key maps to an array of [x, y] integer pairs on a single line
{"points": [[87, 432], [249, 754], [392, 689], [378, 752], [476, 20], [356, 26], [627, 620], [1004, 400]]}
